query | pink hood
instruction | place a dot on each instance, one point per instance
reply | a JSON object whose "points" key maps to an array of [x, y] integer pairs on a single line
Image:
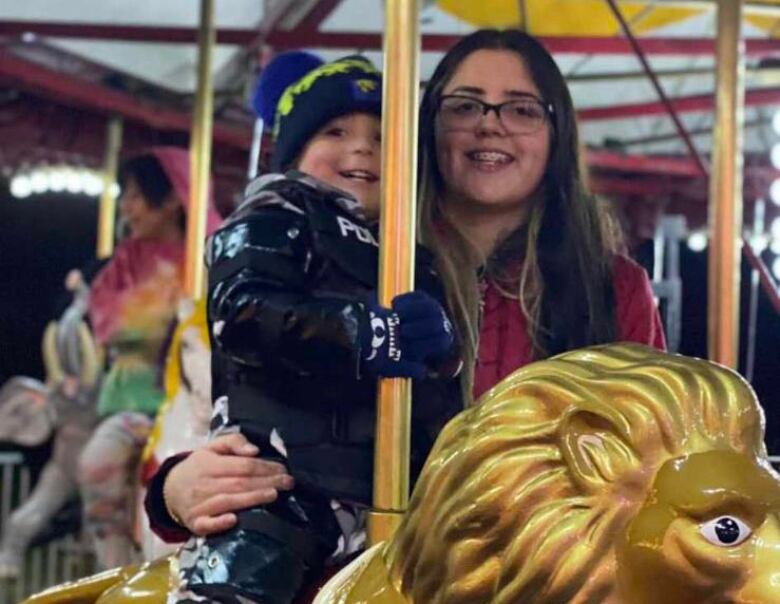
{"points": [[175, 162]]}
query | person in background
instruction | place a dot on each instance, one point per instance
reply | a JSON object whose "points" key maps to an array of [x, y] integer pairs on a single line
{"points": [[131, 305]]}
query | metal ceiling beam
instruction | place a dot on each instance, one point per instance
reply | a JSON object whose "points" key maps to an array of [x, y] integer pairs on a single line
{"points": [[608, 163], [636, 164], [554, 44], [613, 76], [124, 33], [640, 75], [321, 11], [295, 15], [673, 136], [619, 187], [754, 7], [690, 195], [83, 94], [662, 96], [240, 64], [276, 15], [346, 40], [767, 282], [702, 102]]}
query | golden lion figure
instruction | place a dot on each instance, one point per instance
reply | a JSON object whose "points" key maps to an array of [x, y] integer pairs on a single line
{"points": [[610, 475], [615, 474]]}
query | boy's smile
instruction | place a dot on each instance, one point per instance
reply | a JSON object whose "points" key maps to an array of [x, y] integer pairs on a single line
{"points": [[363, 175], [345, 153]]}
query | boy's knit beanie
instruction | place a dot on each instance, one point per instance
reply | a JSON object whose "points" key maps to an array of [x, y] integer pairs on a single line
{"points": [[348, 85]]}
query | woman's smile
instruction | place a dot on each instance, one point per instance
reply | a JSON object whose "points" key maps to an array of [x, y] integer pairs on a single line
{"points": [[488, 165], [489, 160]]}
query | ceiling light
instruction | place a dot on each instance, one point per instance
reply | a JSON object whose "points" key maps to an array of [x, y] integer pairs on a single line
{"points": [[72, 181], [21, 186], [775, 228], [57, 179], [697, 241], [39, 182], [759, 243], [774, 192]]}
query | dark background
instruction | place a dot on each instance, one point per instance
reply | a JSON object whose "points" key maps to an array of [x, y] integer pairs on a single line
{"points": [[42, 237]]}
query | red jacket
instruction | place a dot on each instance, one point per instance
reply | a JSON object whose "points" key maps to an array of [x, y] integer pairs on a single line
{"points": [[504, 344]]}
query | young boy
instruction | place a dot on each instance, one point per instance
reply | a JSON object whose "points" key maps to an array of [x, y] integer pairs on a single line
{"points": [[298, 339]]}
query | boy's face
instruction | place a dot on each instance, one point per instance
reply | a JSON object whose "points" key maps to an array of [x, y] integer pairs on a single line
{"points": [[345, 153]]}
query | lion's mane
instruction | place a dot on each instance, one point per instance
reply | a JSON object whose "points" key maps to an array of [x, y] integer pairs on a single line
{"points": [[502, 513]]}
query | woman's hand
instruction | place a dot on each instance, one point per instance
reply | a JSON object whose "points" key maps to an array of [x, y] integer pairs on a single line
{"points": [[208, 487]]}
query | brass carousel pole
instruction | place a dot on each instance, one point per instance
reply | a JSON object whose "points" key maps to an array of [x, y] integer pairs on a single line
{"points": [[107, 210], [200, 156], [396, 258], [725, 214]]}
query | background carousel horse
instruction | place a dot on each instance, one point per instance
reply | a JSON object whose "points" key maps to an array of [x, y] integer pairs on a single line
{"points": [[182, 423], [31, 411], [615, 474]]}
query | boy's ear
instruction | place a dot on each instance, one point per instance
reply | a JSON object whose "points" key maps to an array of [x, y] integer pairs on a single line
{"points": [[594, 450]]}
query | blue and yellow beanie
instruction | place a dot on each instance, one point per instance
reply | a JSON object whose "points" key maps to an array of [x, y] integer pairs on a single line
{"points": [[348, 85]]}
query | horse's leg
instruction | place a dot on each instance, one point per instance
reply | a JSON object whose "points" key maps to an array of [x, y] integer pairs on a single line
{"points": [[50, 494], [108, 469]]}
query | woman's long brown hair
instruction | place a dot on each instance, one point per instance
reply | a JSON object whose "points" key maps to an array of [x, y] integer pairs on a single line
{"points": [[564, 286]]}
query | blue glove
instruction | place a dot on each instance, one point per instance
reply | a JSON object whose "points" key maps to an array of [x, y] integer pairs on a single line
{"points": [[405, 340]]}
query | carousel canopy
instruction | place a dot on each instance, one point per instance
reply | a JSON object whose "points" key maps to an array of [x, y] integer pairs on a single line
{"points": [[137, 59]]}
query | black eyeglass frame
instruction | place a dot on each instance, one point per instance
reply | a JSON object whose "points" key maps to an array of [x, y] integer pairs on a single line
{"points": [[548, 108]]}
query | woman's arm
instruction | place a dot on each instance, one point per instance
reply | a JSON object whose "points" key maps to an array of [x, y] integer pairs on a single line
{"points": [[205, 489], [637, 314]]}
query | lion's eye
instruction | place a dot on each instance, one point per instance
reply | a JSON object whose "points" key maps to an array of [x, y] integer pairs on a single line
{"points": [[725, 531]]}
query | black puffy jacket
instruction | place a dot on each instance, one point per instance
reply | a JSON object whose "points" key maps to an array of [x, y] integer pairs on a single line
{"points": [[289, 274]]}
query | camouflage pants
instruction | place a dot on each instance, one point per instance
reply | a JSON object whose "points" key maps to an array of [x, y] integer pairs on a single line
{"points": [[108, 478], [196, 557]]}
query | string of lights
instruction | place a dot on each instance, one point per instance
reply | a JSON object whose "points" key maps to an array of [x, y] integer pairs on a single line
{"points": [[76, 180]]}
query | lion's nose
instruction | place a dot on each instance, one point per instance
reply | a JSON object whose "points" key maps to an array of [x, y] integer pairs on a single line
{"points": [[763, 582], [765, 590]]}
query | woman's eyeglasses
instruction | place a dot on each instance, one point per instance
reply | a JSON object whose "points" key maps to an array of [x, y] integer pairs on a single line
{"points": [[518, 116]]}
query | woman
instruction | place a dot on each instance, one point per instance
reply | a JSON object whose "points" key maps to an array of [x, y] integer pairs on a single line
{"points": [[501, 192], [132, 303]]}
